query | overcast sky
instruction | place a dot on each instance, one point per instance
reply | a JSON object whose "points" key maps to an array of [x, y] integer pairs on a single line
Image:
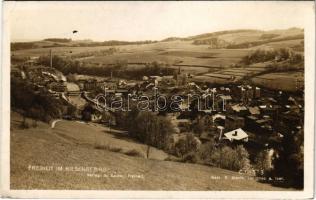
{"points": [[147, 20]]}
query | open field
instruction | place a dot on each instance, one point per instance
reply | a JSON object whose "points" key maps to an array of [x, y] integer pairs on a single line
{"points": [[174, 53], [96, 135], [70, 143], [185, 58], [210, 80], [142, 54], [282, 44], [281, 81]]}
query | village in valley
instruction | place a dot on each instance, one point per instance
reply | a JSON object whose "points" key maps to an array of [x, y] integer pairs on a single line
{"points": [[248, 110], [231, 117]]}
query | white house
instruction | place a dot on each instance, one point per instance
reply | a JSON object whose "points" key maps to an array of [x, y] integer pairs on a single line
{"points": [[237, 135]]}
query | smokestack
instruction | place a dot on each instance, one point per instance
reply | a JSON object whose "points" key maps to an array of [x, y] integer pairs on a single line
{"points": [[51, 57]]}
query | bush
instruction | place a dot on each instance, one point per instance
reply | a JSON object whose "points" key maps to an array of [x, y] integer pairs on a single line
{"points": [[34, 123], [228, 159], [190, 158], [108, 147], [225, 157], [24, 125], [173, 158], [115, 149], [206, 150], [134, 153], [234, 159], [186, 145]]}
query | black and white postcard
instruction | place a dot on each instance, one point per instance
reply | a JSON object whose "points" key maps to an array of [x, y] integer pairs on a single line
{"points": [[175, 99]]}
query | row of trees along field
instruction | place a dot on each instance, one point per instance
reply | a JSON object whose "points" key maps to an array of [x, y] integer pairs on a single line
{"points": [[62, 40], [282, 54], [22, 45], [118, 69], [264, 40], [67, 42]]}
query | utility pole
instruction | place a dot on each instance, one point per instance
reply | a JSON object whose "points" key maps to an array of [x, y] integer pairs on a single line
{"points": [[51, 58]]}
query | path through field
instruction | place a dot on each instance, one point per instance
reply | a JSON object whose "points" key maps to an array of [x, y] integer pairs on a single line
{"points": [[54, 123]]}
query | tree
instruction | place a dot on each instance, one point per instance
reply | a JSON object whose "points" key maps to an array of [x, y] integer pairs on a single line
{"points": [[199, 126], [243, 161], [150, 129], [40, 106], [131, 121], [71, 110], [290, 161], [228, 158], [261, 55], [36, 113], [262, 162], [186, 145], [206, 150], [87, 112]]}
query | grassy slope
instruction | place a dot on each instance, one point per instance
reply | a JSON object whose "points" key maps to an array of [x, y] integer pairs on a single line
{"points": [[42, 146]]}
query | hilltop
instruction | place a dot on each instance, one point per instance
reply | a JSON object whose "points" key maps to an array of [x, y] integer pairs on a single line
{"points": [[247, 38], [232, 39]]}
